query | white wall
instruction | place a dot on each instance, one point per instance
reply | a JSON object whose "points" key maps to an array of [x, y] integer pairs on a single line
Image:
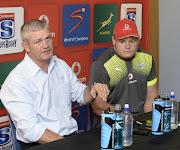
{"points": [[169, 52]]}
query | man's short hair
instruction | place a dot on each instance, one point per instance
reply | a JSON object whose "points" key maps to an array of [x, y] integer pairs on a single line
{"points": [[32, 26]]}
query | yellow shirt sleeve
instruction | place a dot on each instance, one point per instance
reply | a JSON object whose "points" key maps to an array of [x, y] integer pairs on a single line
{"points": [[152, 82]]}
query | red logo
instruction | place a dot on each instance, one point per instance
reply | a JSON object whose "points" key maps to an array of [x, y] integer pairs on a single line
{"points": [[45, 19], [49, 13], [130, 75], [73, 16], [127, 27], [79, 62], [76, 68]]}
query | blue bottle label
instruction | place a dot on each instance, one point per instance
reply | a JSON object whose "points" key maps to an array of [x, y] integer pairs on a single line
{"points": [[118, 134], [167, 117], [107, 130], [157, 119]]}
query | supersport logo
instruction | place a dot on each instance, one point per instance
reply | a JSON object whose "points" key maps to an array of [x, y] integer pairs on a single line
{"points": [[73, 16], [77, 112]]}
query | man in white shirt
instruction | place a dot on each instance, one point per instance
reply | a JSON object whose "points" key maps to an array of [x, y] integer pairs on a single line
{"points": [[39, 91]]}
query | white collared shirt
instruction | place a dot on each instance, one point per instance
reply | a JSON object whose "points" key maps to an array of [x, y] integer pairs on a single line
{"points": [[37, 100]]}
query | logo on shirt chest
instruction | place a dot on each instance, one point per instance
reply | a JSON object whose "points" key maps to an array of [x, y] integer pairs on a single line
{"points": [[130, 77], [141, 66], [118, 69]]}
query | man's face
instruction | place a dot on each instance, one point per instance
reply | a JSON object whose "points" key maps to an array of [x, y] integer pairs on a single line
{"points": [[39, 46], [126, 47]]}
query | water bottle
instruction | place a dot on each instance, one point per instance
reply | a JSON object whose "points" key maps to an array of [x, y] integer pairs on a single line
{"points": [[128, 126], [107, 129], [157, 116], [167, 113], [174, 111], [118, 133]]}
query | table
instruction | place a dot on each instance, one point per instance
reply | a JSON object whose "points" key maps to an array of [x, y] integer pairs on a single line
{"points": [[90, 140]]}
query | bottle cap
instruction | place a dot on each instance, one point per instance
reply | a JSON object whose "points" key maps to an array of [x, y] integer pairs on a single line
{"points": [[117, 108], [172, 95], [108, 111], [158, 98], [126, 107], [166, 96]]}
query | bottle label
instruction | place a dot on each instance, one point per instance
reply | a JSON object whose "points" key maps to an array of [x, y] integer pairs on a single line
{"points": [[157, 121], [107, 130], [119, 124], [118, 132], [172, 119], [167, 122]]}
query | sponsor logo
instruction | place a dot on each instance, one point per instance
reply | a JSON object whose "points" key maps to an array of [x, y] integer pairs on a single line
{"points": [[46, 20], [8, 43], [105, 18], [130, 82], [5, 135], [7, 27], [79, 113], [76, 24], [49, 14], [130, 76], [118, 69], [7, 30], [79, 62], [11, 20], [106, 22], [141, 65], [131, 14], [6, 142], [73, 16], [77, 39], [126, 27], [76, 68]]}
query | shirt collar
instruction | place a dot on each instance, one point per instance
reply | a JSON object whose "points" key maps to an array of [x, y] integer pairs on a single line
{"points": [[34, 68]]}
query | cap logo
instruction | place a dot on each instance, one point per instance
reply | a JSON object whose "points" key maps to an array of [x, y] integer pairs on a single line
{"points": [[127, 27]]}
